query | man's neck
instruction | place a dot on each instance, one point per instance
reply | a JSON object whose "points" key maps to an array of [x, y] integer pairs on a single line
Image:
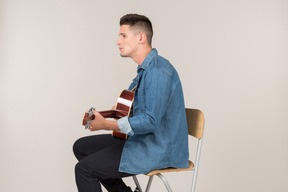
{"points": [[142, 55]]}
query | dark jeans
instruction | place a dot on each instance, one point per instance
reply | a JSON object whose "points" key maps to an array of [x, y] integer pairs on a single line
{"points": [[99, 159]]}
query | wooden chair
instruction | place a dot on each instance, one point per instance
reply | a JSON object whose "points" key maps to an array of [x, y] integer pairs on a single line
{"points": [[195, 120]]}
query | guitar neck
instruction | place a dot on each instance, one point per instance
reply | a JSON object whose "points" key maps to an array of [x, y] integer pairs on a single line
{"points": [[117, 114]]}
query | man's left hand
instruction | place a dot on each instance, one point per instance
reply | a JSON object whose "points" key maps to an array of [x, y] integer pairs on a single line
{"points": [[98, 123]]}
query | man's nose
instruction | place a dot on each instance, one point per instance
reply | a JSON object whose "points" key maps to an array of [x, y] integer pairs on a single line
{"points": [[118, 42]]}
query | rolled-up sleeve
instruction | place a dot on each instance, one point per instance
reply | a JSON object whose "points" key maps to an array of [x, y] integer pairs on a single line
{"points": [[124, 126]]}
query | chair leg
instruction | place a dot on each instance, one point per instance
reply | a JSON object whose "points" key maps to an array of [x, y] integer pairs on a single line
{"points": [[196, 166], [194, 179], [149, 183], [137, 183], [165, 182]]}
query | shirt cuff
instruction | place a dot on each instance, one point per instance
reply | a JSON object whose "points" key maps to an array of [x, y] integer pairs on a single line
{"points": [[124, 126]]}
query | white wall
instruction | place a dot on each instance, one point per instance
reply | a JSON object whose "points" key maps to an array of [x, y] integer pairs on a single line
{"points": [[58, 58]]}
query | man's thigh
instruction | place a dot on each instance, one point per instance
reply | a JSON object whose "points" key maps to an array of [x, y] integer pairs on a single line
{"points": [[105, 163], [91, 144]]}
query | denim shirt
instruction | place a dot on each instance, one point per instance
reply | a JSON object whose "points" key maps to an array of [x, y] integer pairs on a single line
{"points": [[158, 134]]}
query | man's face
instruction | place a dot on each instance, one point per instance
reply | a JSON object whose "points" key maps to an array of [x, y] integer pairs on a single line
{"points": [[127, 41]]}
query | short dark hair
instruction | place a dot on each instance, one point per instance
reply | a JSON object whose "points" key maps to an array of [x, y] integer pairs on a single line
{"points": [[139, 21]]}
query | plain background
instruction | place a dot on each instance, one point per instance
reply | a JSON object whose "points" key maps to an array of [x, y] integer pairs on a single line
{"points": [[59, 58]]}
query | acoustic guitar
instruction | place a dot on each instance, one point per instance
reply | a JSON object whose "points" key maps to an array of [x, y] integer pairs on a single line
{"points": [[124, 107]]}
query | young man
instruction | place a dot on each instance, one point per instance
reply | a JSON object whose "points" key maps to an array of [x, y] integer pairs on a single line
{"points": [[158, 135]]}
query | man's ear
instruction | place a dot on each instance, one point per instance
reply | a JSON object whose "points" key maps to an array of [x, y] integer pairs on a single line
{"points": [[142, 38]]}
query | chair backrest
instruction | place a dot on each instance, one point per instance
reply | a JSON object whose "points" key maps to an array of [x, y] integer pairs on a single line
{"points": [[195, 121]]}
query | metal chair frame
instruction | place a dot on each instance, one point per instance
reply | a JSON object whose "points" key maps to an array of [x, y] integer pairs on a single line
{"points": [[195, 120]]}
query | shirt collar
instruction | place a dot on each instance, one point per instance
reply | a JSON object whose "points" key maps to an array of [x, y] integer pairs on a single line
{"points": [[148, 59]]}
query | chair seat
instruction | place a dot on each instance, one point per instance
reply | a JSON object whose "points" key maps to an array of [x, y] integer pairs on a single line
{"points": [[171, 169]]}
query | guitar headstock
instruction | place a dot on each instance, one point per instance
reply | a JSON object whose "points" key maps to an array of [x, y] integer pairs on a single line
{"points": [[90, 115]]}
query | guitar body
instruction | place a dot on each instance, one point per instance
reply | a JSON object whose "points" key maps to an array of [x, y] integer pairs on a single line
{"points": [[125, 102], [124, 107]]}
